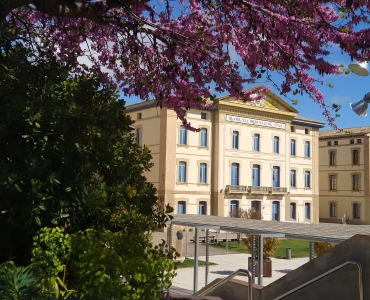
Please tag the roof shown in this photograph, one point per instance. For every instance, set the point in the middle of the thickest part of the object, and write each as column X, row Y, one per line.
column 141, row 105
column 345, row 132
column 323, row 232
column 298, row 120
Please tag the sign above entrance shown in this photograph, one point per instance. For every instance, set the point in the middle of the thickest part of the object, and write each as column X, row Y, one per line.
column 255, row 122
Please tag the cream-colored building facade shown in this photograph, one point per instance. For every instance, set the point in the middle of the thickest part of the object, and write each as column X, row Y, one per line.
column 258, row 155
column 344, row 175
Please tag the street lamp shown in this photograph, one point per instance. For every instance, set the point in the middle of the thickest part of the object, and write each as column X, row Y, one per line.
column 360, row 107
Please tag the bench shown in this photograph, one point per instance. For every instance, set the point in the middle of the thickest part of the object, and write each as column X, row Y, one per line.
column 202, row 239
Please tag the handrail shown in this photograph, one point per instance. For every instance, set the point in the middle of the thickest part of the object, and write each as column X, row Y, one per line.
column 327, row 273
column 231, row 276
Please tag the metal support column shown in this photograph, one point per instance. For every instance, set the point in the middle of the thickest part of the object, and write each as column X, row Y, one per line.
column 196, row 255
column 227, row 244
column 207, row 255
column 260, row 259
column 312, row 251
column 170, row 237
column 253, row 258
column 187, row 243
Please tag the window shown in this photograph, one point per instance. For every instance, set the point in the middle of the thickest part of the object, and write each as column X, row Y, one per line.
column 355, row 157
column 182, row 171
column 292, row 211
column 359, row 141
column 292, row 147
column 333, row 210
column 235, row 144
column 306, row 131
column 184, row 112
column 336, row 143
column 333, row 182
column 307, row 211
column 256, row 206
column 356, row 182
column 356, row 211
column 307, row 149
column 275, row 210
column 256, row 142
column 293, row 178
column 292, row 128
column 202, row 209
column 351, row 141
column 332, row 161
column 183, row 135
column 138, row 137
column 203, row 115
column 276, row 144
column 275, row 176
column 203, row 137
column 234, row 206
column 181, row 207
column 139, row 116
column 256, row 175
column 329, row 144
column 307, row 179
column 203, row 173
column 234, row 174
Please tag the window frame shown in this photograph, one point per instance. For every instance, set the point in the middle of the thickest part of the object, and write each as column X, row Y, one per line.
column 355, row 157
column 204, row 205
column 307, row 179
column 234, row 203
column 203, row 116
column 203, row 173
column 138, row 135
column 307, row 149
column 356, row 211
column 235, row 140
column 356, row 182
column 276, row 176
column 332, row 158
column 333, row 208
column 333, row 182
column 293, row 211
column 236, row 167
column 183, row 205
column 307, row 213
column 256, row 172
column 204, row 137
column 293, row 177
column 256, row 142
column 182, row 172
column 183, row 138
column 276, row 143
column 292, row 147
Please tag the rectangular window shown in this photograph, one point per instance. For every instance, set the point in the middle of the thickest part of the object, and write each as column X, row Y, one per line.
column 256, row 142
column 256, row 206
column 183, row 135
column 355, row 157
column 307, row 211
column 235, row 144
column 333, row 210
column 234, row 174
column 202, row 208
column 332, row 161
column 359, row 141
column 329, row 144
column 307, row 149
column 292, row 211
column 306, row 131
column 256, row 175
column 292, row 147
column 333, row 182
column 181, row 207
column 292, row 178
column 203, row 137
column 234, row 206
column 275, row 176
column 203, row 115
column 336, row 143
column 203, row 173
column 182, row 171
column 307, row 179
column 356, row 182
column 139, row 116
column 351, row 141
column 292, row 128
column 276, row 144
column 138, row 137
column 356, row 211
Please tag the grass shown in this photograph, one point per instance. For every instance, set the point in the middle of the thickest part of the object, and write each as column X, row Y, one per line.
column 299, row 248
column 189, row 263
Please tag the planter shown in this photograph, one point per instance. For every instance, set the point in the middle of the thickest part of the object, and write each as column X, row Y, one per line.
column 267, row 267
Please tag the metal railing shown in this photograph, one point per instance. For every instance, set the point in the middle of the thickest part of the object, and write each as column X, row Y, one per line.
column 205, row 291
column 360, row 287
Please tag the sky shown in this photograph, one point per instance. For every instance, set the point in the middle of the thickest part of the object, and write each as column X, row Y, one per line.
column 347, row 88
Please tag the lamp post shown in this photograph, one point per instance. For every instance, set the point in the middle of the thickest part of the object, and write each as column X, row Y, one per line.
column 360, row 107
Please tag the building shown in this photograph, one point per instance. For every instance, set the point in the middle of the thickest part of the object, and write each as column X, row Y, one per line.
column 258, row 155
column 344, row 175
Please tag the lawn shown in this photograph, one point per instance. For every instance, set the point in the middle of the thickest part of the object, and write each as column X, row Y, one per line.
column 299, row 248
column 189, row 263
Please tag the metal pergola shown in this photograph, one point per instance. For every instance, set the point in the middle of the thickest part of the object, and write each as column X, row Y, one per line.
column 323, row 232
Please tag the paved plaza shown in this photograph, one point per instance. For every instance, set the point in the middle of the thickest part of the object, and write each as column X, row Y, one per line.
column 227, row 263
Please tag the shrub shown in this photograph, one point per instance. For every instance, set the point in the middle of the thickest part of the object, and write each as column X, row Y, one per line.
column 321, row 248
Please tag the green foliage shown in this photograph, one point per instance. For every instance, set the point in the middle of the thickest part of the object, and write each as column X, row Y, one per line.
column 17, row 283
column 105, row 267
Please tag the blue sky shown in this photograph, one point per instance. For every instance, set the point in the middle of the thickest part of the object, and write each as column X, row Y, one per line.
column 347, row 88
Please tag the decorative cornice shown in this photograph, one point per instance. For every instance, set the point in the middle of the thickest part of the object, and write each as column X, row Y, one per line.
column 141, row 105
